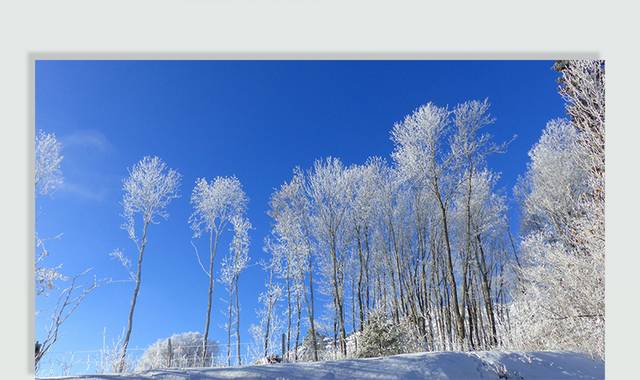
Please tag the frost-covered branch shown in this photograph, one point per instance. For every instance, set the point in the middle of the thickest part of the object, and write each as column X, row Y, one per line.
column 48, row 175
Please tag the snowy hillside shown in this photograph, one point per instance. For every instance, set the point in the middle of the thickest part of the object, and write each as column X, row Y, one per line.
column 435, row 365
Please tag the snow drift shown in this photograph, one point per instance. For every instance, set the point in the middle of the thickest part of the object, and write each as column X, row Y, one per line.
column 486, row 365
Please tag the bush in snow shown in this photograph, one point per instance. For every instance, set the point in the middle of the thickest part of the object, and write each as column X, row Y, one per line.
column 179, row 351
column 305, row 351
column 383, row 337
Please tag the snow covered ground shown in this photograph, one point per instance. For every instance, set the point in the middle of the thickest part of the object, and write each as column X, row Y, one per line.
column 431, row 365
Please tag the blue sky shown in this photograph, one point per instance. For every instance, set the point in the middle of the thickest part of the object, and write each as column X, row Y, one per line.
column 252, row 119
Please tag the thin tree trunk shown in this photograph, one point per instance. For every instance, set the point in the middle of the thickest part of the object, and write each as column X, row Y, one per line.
column 338, row 301
column 360, row 274
column 459, row 322
column 125, row 344
column 353, row 304
column 335, row 335
column 486, row 290
column 289, row 309
column 299, row 312
column 269, row 310
column 229, row 325
column 467, row 255
column 311, row 312
column 367, row 257
column 213, row 246
column 238, row 323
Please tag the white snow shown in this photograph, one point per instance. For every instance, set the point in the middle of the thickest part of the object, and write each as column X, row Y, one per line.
column 486, row 365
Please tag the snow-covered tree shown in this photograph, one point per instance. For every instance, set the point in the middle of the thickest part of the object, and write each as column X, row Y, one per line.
column 232, row 266
column 365, row 183
column 178, row 351
column 555, row 180
column 329, row 191
column 582, row 86
column 148, row 190
column 426, row 240
column 559, row 303
column 422, row 158
column 69, row 299
column 263, row 333
column 383, row 337
column 292, row 230
column 312, row 346
column 214, row 204
column 48, row 175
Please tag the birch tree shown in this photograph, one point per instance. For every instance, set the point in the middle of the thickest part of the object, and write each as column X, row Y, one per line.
column 290, row 210
column 214, row 203
column 328, row 189
column 232, row 266
column 420, row 156
column 365, row 182
column 148, row 190
column 263, row 332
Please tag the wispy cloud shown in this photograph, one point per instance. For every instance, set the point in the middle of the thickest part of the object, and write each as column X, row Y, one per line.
column 87, row 138
column 82, row 191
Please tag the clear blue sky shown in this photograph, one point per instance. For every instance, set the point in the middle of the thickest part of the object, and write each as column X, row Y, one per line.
column 255, row 120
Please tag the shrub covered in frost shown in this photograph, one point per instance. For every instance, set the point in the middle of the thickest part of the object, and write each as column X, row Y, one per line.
column 383, row 337
column 178, row 351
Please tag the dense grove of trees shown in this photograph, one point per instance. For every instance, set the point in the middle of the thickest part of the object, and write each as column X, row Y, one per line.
column 424, row 239
column 409, row 253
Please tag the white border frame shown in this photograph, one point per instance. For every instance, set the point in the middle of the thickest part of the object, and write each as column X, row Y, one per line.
column 307, row 29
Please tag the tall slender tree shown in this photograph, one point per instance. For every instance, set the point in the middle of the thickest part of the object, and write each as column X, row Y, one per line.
column 214, row 204
column 290, row 210
column 148, row 191
column 328, row 190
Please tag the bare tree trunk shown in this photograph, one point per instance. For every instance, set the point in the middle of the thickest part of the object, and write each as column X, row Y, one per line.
column 486, row 290
column 435, row 279
column 213, row 246
column 125, row 344
column 353, row 304
column 299, row 312
column 459, row 321
column 394, row 299
column 368, row 255
column 467, row 255
column 238, row 323
column 269, row 310
column 399, row 272
column 311, row 313
column 335, row 335
column 229, row 326
column 338, row 300
column 362, row 264
column 289, row 308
